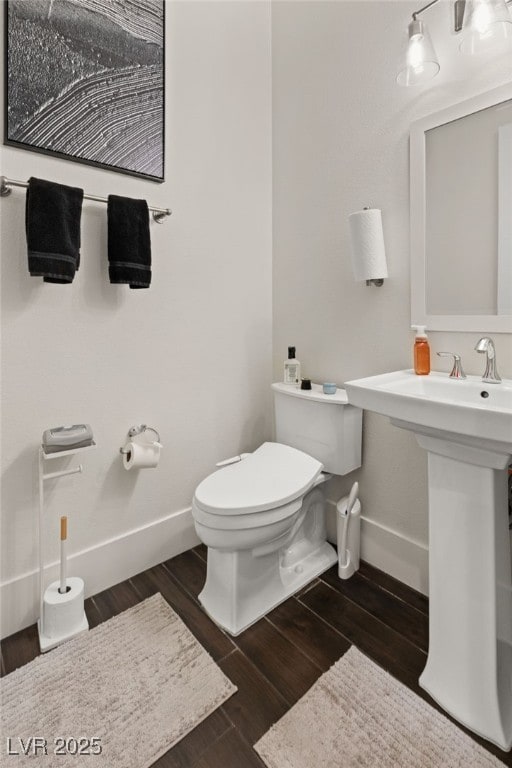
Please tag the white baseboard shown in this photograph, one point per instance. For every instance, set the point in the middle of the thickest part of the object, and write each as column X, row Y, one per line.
column 100, row 566
column 402, row 557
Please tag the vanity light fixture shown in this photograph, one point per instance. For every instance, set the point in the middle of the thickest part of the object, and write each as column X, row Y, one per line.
column 483, row 24
column 420, row 62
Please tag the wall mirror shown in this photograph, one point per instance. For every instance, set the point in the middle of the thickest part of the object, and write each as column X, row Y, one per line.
column 461, row 216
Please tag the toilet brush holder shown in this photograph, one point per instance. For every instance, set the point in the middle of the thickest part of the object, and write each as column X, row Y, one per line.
column 348, row 536
column 63, row 614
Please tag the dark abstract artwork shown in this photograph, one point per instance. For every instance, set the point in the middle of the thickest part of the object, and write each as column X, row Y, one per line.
column 85, row 81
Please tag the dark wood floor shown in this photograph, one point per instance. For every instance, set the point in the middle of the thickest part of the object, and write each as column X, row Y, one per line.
column 274, row 662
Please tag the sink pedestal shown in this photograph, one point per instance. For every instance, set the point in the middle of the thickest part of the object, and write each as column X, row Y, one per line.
column 469, row 666
column 466, row 428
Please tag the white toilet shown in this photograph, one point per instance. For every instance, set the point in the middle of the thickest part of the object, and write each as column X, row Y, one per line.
column 263, row 518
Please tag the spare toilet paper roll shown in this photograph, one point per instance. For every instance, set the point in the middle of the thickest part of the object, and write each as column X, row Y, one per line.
column 141, row 455
column 368, row 251
column 63, row 612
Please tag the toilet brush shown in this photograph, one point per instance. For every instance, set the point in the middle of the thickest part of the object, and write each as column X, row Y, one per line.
column 348, row 562
column 63, row 614
column 63, row 555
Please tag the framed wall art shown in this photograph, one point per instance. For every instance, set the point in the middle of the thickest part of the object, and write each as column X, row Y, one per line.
column 85, row 81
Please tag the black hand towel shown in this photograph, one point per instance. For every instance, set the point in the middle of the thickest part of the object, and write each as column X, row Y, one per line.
column 129, row 245
column 52, row 223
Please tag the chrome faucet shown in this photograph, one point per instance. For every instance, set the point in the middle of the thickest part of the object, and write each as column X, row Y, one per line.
column 457, row 371
column 491, row 375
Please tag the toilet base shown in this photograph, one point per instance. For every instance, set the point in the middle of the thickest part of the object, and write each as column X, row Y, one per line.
column 240, row 588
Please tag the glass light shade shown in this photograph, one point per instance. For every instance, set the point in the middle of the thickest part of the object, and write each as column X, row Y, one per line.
column 420, row 61
column 487, row 25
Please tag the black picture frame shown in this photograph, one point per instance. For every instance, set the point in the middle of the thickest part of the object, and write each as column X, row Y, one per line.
column 84, row 83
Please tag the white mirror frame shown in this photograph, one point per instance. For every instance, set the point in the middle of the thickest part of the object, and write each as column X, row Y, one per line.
column 419, row 316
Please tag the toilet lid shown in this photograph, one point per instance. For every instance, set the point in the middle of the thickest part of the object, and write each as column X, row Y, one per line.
column 270, row 477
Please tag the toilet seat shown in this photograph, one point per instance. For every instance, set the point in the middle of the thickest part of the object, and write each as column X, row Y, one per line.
column 268, row 479
column 244, row 521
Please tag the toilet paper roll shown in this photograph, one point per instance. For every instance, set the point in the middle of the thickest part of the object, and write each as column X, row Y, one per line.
column 63, row 612
column 141, row 455
column 368, row 251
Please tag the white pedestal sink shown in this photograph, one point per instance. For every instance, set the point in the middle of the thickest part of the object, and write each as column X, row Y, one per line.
column 466, row 427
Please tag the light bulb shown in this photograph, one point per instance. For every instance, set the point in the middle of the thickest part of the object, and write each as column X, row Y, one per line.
column 415, row 52
column 482, row 19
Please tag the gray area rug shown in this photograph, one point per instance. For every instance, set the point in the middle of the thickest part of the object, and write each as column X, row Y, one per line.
column 138, row 683
column 356, row 714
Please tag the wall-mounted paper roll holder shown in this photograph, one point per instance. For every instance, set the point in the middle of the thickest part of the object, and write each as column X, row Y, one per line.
column 368, row 249
column 134, row 431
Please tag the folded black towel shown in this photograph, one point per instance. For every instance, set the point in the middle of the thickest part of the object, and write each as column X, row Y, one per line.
column 52, row 223
column 129, row 244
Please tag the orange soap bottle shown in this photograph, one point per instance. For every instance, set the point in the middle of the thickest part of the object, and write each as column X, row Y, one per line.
column 421, row 351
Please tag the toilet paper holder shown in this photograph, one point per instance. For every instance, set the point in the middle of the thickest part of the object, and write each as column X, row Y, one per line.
column 134, row 431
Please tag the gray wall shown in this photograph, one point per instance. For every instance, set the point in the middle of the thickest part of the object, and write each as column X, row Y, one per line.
column 340, row 142
column 190, row 356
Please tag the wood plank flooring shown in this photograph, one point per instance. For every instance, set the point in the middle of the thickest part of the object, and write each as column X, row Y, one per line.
column 276, row 661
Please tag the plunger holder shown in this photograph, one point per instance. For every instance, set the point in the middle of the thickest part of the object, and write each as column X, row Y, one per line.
column 62, row 614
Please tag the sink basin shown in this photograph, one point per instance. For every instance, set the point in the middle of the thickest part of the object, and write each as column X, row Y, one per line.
column 466, row 428
column 480, row 414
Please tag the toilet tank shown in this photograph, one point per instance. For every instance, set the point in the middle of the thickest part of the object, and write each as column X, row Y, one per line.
column 326, row 427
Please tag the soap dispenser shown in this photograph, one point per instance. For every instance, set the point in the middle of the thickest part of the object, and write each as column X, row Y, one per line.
column 421, row 351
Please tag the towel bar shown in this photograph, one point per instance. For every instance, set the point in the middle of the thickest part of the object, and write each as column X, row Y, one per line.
column 159, row 214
